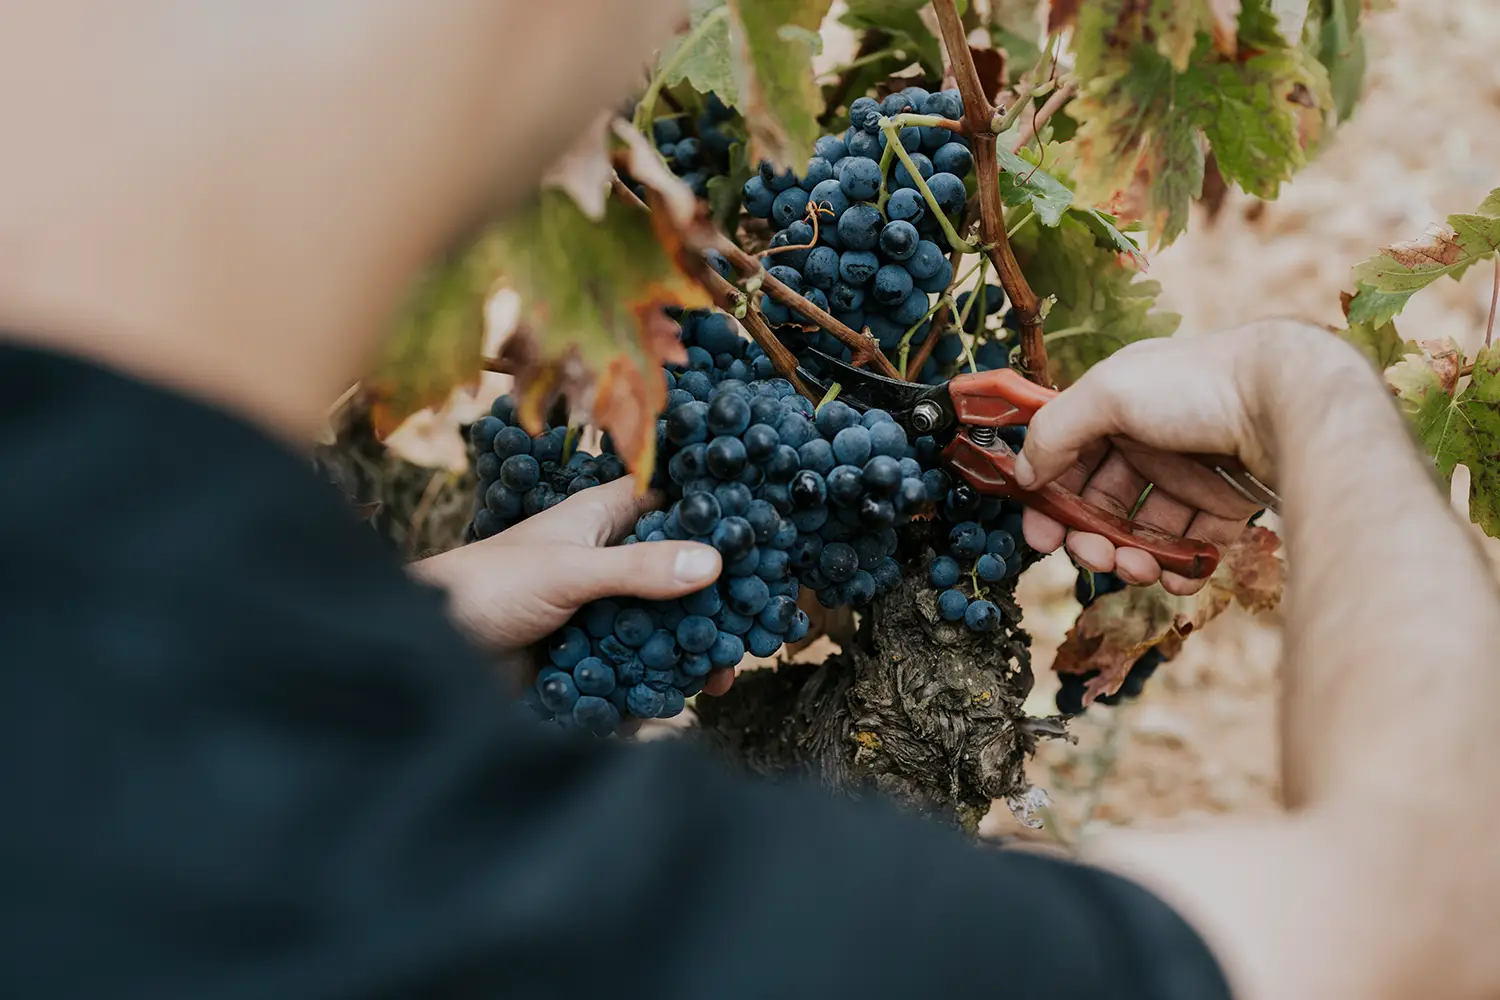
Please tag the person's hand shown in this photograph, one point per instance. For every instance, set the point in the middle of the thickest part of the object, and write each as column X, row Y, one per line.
column 523, row 584
column 1123, row 426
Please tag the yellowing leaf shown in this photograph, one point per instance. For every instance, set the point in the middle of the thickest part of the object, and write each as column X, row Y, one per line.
column 1401, row 269
column 592, row 300
column 1116, row 629
column 779, row 98
column 435, row 344
column 1162, row 79
column 1461, row 429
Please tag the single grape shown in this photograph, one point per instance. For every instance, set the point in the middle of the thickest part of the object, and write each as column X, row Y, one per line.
column 733, row 538
column 789, row 206
column 757, row 198
column 952, row 605
column 902, row 176
column 726, row 456
column 830, row 148
column 839, row 562
column 860, row 180
column 881, row 475
column 696, row 633
column 660, row 651
column 953, row 158
column 892, row 284
column 633, row 627
column 699, row 513
column 822, row 268
column 596, row 715
column 864, row 113
column 966, row 540
column 688, row 424
column 734, row 498
column 748, row 595
column 857, row 268
column 520, row 472
column 728, row 413
column 851, row 446
column 727, row 650
column 817, row 455
column 557, row 690
column 845, row 484
column 898, row 240
column 593, row 677
column 948, row 191
column 643, row 702
column 1000, row 543
column 911, row 138
column 859, row 227
column 762, row 643
column 982, row 616
column 990, row 568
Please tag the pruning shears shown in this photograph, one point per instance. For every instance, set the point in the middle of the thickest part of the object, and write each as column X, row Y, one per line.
column 965, row 415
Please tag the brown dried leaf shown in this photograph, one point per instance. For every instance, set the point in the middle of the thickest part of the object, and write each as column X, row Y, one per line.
column 1439, row 247
column 1062, row 14
column 1114, row 631
column 584, row 171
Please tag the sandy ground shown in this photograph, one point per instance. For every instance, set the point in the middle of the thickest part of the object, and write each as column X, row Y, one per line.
column 1425, row 143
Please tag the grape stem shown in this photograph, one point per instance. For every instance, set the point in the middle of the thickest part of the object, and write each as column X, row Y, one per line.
column 979, row 116
column 725, row 295
column 924, row 351
column 1489, row 329
column 862, row 345
column 1031, row 126
column 893, row 142
column 886, row 155
column 943, row 302
column 646, row 109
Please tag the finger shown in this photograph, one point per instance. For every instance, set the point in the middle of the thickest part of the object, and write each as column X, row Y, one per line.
column 595, row 516
column 572, row 575
column 1061, row 430
column 1114, row 486
column 1137, row 567
column 719, row 681
column 1221, row 531
column 1094, row 552
column 1041, row 532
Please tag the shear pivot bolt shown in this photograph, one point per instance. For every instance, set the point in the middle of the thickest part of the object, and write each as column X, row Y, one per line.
column 925, row 416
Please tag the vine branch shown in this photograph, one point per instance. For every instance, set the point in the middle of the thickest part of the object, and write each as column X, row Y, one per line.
column 979, row 116
column 863, row 347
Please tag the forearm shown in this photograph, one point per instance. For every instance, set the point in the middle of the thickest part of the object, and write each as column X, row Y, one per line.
column 1392, row 615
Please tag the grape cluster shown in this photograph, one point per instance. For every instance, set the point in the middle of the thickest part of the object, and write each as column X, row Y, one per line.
column 1089, row 588
column 979, row 546
column 870, row 250
column 696, row 157
column 520, row 475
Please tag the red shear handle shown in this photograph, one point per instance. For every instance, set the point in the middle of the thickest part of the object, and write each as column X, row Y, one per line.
column 999, row 398
column 991, row 471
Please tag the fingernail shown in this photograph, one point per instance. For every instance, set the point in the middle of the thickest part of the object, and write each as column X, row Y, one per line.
column 696, row 563
column 1025, row 474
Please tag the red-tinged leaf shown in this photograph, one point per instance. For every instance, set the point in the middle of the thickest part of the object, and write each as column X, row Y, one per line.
column 1456, row 428
column 593, row 328
column 1117, row 629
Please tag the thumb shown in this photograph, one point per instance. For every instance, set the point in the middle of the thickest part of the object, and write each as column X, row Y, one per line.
column 573, row 575
column 1061, row 430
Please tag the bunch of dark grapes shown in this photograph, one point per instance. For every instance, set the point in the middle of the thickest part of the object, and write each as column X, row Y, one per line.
column 872, row 266
column 520, row 475
column 1089, row 588
column 978, row 546
column 697, row 150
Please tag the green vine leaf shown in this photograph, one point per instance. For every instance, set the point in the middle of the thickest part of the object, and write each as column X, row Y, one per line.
column 436, row 344
column 779, row 98
column 1402, row 269
column 1099, row 306
column 1457, row 429
column 708, row 65
column 1378, row 341
column 592, row 321
column 1024, row 183
column 1332, row 34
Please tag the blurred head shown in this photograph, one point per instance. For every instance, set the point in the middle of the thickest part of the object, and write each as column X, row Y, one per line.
column 231, row 196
